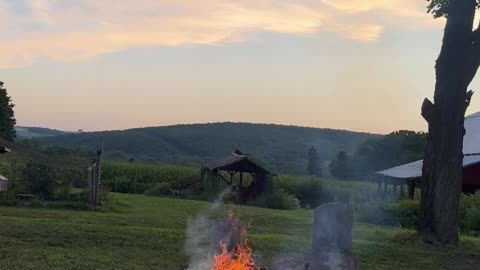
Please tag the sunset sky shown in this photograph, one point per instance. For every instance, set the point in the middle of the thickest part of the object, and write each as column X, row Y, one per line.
column 362, row 65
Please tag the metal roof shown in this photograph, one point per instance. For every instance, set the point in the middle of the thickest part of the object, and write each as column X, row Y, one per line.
column 3, row 178
column 4, row 150
column 414, row 169
column 471, row 150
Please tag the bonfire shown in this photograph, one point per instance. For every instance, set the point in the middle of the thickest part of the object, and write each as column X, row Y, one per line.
column 239, row 257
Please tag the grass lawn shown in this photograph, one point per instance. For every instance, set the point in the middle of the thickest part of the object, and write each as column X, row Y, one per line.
column 149, row 233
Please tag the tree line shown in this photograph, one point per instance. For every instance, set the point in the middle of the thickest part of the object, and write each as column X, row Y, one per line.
column 7, row 115
column 374, row 155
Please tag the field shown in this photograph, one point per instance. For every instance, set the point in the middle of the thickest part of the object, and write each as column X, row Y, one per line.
column 144, row 232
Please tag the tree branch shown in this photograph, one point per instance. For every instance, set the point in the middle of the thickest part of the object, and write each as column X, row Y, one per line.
column 428, row 110
column 476, row 35
column 474, row 62
column 468, row 98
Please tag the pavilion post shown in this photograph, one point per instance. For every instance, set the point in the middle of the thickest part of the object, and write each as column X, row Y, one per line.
column 241, row 181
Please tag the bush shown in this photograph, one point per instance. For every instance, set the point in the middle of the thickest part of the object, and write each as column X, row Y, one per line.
column 470, row 213
column 190, row 187
column 403, row 213
column 306, row 190
column 279, row 199
column 159, row 189
column 40, row 180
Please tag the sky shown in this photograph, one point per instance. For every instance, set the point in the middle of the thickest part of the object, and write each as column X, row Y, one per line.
column 363, row 65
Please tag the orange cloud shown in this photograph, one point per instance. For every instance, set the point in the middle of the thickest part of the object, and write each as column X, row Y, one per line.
column 88, row 28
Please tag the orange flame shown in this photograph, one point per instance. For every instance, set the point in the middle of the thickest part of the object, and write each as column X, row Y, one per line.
column 239, row 257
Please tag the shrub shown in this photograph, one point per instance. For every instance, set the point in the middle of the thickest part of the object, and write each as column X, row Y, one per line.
column 159, row 189
column 279, row 199
column 314, row 191
column 39, row 179
column 403, row 213
column 470, row 213
column 306, row 190
column 104, row 196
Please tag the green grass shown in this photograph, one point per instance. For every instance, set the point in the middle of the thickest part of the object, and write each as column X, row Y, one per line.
column 149, row 233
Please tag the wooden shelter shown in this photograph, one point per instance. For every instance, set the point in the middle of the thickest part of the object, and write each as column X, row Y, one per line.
column 237, row 165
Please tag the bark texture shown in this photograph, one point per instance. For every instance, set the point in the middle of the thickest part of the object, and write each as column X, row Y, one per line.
column 442, row 169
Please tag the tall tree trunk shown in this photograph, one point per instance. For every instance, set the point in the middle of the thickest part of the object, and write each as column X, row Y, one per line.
column 442, row 168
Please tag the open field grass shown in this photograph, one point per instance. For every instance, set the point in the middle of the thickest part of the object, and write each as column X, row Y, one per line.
column 149, row 233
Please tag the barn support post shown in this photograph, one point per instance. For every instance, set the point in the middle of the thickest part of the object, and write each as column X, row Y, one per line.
column 411, row 189
column 402, row 190
column 385, row 188
column 379, row 189
column 395, row 187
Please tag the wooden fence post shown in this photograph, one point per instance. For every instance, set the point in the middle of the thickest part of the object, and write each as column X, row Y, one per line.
column 98, row 172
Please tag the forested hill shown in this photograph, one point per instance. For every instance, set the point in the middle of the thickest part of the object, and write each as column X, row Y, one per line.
column 35, row 132
column 283, row 148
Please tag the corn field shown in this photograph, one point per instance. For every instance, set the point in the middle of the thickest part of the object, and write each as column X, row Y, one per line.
column 137, row 178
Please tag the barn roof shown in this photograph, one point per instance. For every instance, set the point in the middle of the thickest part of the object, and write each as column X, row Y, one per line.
column 4, row 150
column 471, row 141
column 414, row 169
column 471, row 150
column 3, row 178
column 239, row 162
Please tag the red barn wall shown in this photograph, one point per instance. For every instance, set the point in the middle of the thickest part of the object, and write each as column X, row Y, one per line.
column 471, row 175
column 471, row 178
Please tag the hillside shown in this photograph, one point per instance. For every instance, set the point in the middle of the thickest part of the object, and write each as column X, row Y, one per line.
column 283, row 148
column 36, row 132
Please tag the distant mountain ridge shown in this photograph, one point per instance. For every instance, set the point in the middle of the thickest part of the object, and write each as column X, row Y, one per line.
column 36, row 132
column 283, row 148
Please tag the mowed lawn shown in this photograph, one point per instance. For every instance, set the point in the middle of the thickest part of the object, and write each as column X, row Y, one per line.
column 149, row 233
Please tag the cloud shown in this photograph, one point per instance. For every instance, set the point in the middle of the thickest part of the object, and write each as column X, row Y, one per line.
column 79, row 30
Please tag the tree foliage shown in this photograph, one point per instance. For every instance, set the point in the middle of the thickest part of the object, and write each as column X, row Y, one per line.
column 341, row 167
column 7, row 116
column 439, row 8
column 377, row 154
column 314, row 166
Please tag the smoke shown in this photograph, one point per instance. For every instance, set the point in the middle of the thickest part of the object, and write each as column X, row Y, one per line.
column 199, row 243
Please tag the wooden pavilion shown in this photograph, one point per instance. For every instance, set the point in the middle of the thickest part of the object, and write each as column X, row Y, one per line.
column 233, row 170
